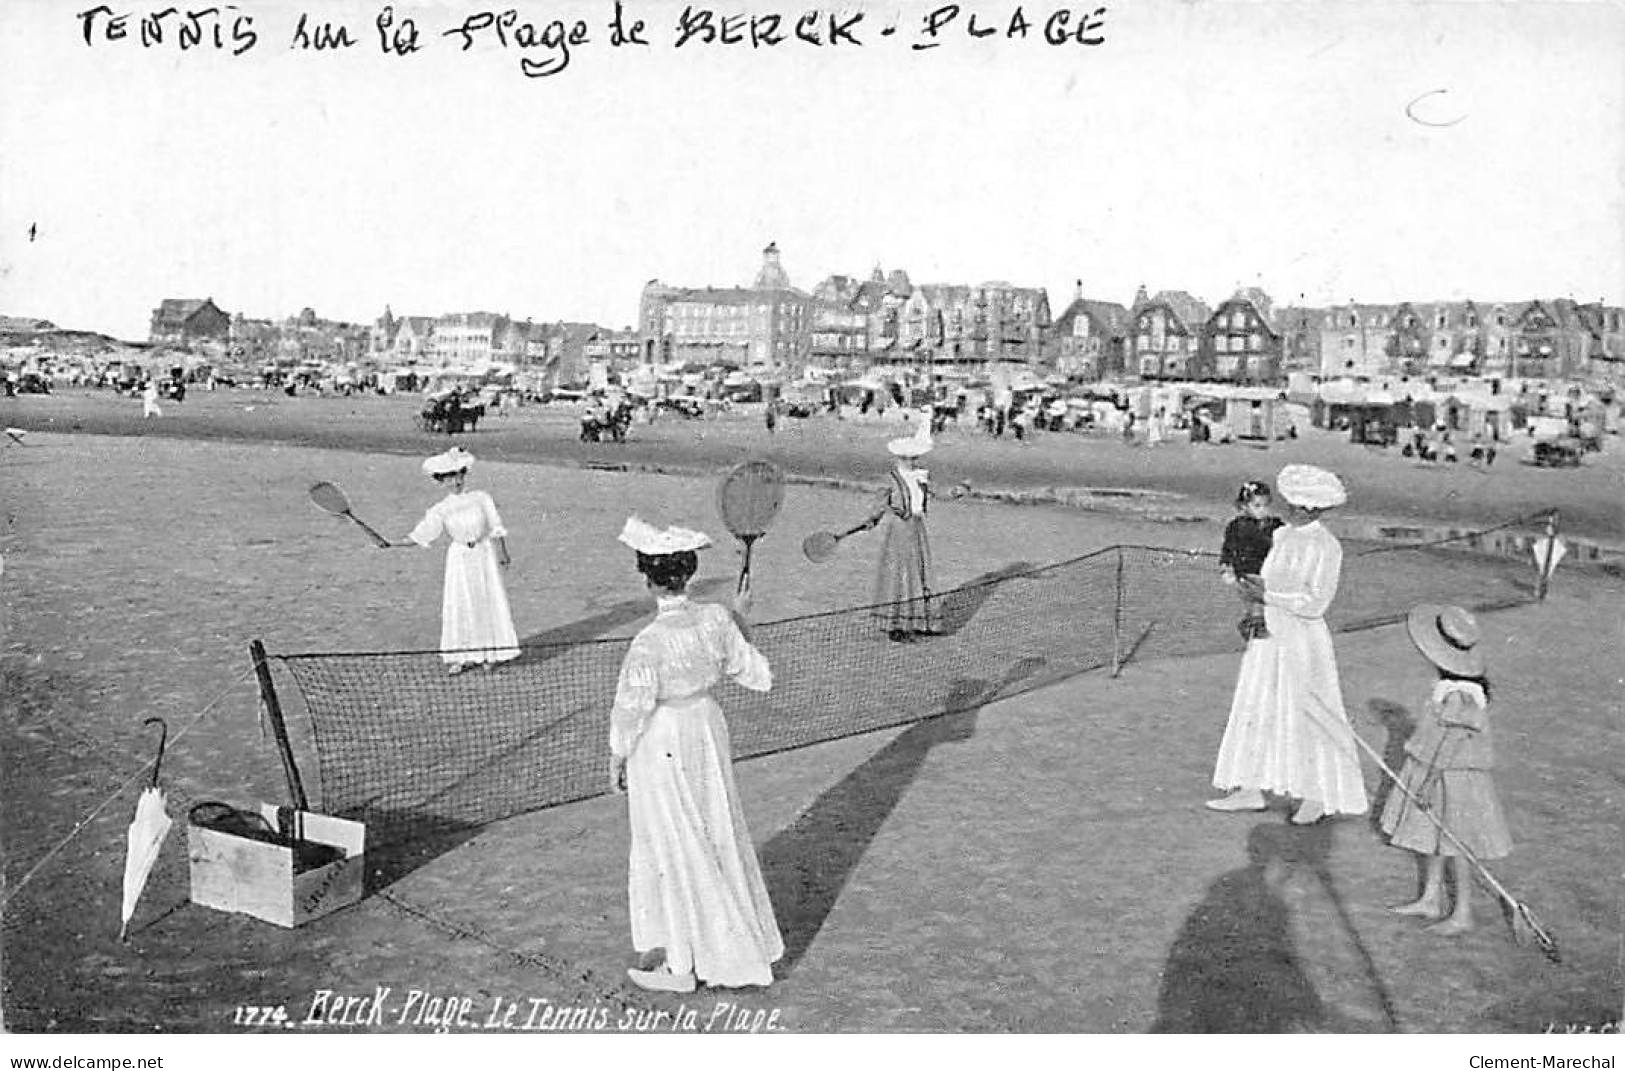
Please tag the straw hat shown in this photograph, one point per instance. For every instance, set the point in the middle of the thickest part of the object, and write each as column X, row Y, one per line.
column 454, row 460
column 645, row 538
column 1311, row 487
column 1448, row 637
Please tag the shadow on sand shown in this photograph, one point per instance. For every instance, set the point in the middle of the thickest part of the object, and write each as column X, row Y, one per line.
column 956, row 608
column 550, row 643
column 808, row 864
column 1234, row 968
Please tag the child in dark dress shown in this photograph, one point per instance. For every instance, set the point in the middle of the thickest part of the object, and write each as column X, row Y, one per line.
column 1247, row 541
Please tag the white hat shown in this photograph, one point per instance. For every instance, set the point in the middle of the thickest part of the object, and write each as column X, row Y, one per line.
column 645, row 538
column 916, row 445
column 454, row 460
column 1311, row 487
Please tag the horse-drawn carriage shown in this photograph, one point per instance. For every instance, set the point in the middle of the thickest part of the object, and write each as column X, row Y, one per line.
column 450, row 413
column 599, row 422
column 1564, row 452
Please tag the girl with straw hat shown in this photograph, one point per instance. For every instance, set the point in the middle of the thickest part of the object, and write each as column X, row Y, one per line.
column 476, row 626
column 1448, row 760
column 700, row 909
column 1288, row 732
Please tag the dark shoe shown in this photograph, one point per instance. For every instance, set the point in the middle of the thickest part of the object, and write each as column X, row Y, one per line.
column 897, row 635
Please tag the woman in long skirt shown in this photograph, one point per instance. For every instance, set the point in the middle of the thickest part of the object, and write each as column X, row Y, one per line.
column 700, row 909
column 476, row 626
column 903, row 579
column 1288, row 732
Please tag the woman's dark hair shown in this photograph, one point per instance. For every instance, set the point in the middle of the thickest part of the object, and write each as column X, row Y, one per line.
column 1252, row 489
column 1482, row 681
column 669, row 571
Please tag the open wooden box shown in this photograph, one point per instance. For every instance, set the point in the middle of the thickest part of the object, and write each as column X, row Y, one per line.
column 253, row 877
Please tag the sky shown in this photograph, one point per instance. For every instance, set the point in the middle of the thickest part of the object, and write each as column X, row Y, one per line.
column 1325, row 151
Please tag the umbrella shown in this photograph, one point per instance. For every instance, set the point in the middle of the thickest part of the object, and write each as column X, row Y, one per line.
column 146, row 834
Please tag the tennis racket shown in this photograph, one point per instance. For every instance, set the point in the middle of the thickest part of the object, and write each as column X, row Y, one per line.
column 820, row 546
column 749, row 498
column 331, row 499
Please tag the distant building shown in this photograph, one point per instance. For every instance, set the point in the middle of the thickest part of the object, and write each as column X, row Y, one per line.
column 764, row 328
column 566, row 345
column 1239, row 343
column 881, row 300
column 1300, row 338
column 1166, row 333
column 381, row 336
column 1604, row 327
column 413, row 340
column 1354, row 340
column 618, row 349
column 468, row 339
column 309, row 337
column 1089, row 339
column 22, row 325
column 1549, row 339
column 180, row 321
column 839, row 331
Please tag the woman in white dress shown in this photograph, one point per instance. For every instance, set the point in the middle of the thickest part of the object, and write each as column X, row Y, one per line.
column 476, row 626
column 1288, row 732
column 694, row 886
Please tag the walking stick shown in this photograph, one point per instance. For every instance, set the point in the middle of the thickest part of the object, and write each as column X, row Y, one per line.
column 1521, row 912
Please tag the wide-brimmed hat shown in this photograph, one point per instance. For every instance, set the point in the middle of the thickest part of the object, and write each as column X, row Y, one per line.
column 1311, row 487
column 454, row 460
column 917, row 445
column 645, row 538
column 1448, row 637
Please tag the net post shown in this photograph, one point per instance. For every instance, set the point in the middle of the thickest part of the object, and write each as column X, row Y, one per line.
column 279, row 728
column 1117, row 618
column 1546, row 563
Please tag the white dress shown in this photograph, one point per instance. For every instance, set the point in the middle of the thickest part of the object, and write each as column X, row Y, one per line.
column 1288, row 731
column 694, row 885
column 474, row 611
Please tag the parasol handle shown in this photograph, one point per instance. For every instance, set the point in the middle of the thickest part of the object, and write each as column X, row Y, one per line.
column 162, row 740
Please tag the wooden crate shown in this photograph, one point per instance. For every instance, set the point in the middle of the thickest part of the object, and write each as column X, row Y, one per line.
column 251, row 877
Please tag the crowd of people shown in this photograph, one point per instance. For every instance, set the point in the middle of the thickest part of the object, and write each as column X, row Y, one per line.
column 1439, row 444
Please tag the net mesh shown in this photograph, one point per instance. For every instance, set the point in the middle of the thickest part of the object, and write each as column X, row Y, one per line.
column 408, row 748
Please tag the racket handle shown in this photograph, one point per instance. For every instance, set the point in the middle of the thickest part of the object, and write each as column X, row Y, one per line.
column 744, row 570
column 365, row 527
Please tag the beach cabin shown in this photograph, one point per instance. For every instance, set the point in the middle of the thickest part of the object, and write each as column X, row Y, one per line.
column 1476, row 415
column 1257, row 414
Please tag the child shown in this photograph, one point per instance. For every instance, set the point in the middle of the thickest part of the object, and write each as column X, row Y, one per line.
column 1448, row 760
column 1247, row 540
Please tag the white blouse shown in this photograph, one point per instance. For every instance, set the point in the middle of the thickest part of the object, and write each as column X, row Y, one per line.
column 1302, row 570
column 680, row 655
column 464, row 518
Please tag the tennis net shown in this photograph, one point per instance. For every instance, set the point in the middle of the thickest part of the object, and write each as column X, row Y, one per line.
column 406, row 747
